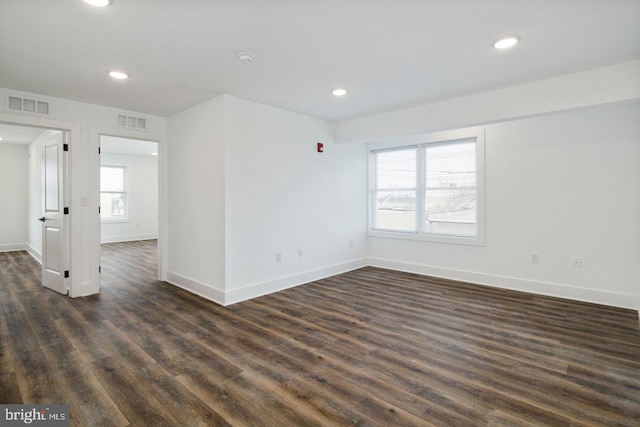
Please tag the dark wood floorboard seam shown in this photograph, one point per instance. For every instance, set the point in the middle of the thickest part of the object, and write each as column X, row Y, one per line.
column 371, row 347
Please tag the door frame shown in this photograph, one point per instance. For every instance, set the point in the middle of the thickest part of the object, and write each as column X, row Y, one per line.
column 73, row 134
column 161, row 140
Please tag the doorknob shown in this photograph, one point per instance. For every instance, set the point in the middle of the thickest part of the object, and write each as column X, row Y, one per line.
column 43, row 219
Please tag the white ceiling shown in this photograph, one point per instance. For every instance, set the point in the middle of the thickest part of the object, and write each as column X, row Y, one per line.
column 135, row 147
column 11, row 134
column 389, row 54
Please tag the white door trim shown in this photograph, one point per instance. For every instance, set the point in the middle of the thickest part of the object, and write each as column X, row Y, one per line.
column 74, row 231
column 96, row 133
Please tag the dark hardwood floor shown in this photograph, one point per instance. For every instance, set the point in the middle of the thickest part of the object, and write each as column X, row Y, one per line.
column 371, row 347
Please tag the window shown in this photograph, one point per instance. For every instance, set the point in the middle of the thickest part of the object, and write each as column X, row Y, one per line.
column 429, row 191
column 113, row 196
column 395, row 193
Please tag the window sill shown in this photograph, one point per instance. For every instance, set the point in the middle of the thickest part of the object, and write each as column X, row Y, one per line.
column 409, row 235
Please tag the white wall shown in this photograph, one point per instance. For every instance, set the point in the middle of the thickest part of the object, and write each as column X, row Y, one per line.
column 85, row 122
column 246, row 182
column 196, row 153
column 557, row 153
column 282, row 196
column 228, row 156
column 13, row 196
column 616, row 83
column 142, row 199
column 564, row 185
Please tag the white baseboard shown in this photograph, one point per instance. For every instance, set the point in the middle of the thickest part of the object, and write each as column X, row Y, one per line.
column 35, row 254
column 130, row 238
column 497, row 281
column 253, row 291
column 22, row 247
column 13, row 247
column 514, row 283
column 198, row 288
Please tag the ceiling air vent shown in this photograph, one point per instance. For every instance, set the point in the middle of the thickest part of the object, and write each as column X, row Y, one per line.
column 132, row 122
column 28, row 105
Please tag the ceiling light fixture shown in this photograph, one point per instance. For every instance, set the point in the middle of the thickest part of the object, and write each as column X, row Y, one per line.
column 339, row 92
column 506, row 42
column 99, row 3
column 154, row 154
column 246, row 57
column 118, row 75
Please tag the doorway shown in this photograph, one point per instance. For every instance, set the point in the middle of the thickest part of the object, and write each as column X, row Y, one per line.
column 34, row 194
column 129, row 199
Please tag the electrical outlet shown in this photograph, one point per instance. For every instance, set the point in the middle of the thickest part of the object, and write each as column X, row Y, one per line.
column 535, row 258
column 576, row 262
column 278, row 256
column 300, row 253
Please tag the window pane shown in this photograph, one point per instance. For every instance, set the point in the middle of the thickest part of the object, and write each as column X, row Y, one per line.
column 451, row 165
column 112, row 206
column 111, row 179
column 395, row 210
column 396, row 169
column 450, row 213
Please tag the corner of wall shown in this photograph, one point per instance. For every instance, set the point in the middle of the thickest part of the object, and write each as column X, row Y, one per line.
column 271, row 286
column 34, row 253
column 195, row 287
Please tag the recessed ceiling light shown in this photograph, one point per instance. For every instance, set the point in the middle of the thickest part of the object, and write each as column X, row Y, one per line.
column 154, row 154
column 339, row 92
column 118, row 75
column 246, row 57
column 506, row 42
column 99, row 3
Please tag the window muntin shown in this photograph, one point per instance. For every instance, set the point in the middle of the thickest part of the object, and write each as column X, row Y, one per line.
column 113, row 196
column 431, row 191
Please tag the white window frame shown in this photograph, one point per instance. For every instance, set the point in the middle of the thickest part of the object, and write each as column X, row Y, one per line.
column 125, row 191
column 475, row 134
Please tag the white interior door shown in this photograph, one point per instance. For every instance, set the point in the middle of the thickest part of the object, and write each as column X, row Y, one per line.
column 54, row 224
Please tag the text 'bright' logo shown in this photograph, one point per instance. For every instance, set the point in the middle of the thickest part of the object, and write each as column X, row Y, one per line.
column 38, row 415
column 26, row 416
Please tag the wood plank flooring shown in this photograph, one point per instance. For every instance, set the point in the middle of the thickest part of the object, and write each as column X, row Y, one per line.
column 368, row 348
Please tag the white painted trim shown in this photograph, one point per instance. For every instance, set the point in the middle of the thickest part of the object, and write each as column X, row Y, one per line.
column 74, row 222
column 13, row 247
column 195, row 287
column 130, row 238
column 163, row 218
column 34, row 253
column 259, row 289
column 87, row 286
column 514, row 283
column 420, row 144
